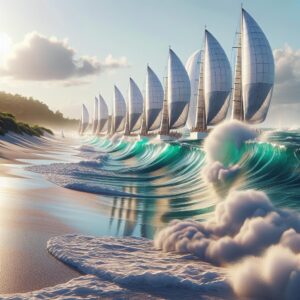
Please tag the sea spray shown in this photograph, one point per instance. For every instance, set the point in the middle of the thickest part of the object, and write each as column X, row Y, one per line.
column 257, row 243
column 223, row 150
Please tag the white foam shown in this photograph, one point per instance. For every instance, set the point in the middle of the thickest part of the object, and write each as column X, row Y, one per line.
column 83, row 287
column 257, row 243
column 133, row 262
column 223, row 144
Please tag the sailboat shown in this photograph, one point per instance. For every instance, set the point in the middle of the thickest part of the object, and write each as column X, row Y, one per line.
column 135, row 108
column 154, row 97
column 102, row 126
column 119, row 112
column 95, row 118
column 84, row 121
column 176, row 97
column 254, row 73
column 210, row 75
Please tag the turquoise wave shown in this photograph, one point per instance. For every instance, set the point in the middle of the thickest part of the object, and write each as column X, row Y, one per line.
column 146, row 184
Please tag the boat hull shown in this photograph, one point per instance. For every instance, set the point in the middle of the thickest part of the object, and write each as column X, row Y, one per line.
column 198, row 135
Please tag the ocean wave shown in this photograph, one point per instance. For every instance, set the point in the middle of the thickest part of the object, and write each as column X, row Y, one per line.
column 180, row 173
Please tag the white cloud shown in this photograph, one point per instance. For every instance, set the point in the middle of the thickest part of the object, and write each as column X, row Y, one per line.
column 287, row 84
column 39, row 58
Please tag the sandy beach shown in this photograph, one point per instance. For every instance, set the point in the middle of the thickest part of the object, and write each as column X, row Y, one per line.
column 25, row 227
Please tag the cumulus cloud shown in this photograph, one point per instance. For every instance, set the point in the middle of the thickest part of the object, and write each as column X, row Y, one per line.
column 257, row 243
column 245, row 223
column 287, row 70
column 40, row 58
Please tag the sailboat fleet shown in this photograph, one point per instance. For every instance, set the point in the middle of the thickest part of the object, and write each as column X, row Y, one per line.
column 196, row 95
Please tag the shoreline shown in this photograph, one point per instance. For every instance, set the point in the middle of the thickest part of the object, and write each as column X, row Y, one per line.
column 25, row 264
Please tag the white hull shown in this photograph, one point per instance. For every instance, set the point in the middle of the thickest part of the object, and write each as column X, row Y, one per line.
column 198, row 135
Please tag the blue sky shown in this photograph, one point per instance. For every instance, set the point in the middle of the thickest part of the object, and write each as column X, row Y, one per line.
column 139, row 30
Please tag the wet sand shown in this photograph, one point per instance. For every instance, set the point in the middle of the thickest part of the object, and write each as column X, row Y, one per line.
column 25, row 227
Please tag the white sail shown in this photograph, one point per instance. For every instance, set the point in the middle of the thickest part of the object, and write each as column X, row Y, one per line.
column 217, row 80
column 119, row 111
column 193, row 69
column 178, row 92
column 257, row 71
column 135, row 106
column 103, row 116
column 84, row 119
column 95, row 117
column 154, row 97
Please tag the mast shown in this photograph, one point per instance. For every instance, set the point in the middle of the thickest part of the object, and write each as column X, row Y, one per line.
column 127, row 132
column 200, row 125
column 96, row 116
column 164, row 129
column 109, row 125
column 144, row 126
column 238, row 109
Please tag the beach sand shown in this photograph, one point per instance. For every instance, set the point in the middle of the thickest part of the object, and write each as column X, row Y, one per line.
column 25, row 226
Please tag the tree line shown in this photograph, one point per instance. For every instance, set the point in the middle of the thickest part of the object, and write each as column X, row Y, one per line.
column 33, row 111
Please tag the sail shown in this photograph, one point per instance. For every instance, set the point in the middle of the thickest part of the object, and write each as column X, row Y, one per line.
column 119, row 111
column 95, row 117
column 257, row 70
column 193, row 69
column 135, row 106
column 84, row 118
column 217, row 80
column 154, row 97
column 178, row 92
column 103, row 116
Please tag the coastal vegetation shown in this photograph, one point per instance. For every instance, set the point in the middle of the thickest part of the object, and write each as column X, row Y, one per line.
column 8, row 123
column 33, row 111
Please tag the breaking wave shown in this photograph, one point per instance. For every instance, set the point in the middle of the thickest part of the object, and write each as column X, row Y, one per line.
column 242, row 185
column 177, row 174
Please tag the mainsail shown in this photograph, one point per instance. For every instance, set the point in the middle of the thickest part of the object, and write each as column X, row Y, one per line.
column 84, row 119
column 103, row 116
column 154, row 96
column 257, row 71
column 135, row 107
column 178, row 92
column 193, row 69
column 95, row 117
column 210, row 76
column 119, row 111
column 217, row 80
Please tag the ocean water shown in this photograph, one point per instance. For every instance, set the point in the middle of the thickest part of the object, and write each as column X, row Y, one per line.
column 145, row 183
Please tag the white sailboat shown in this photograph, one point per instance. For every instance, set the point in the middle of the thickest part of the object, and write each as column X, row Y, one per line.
column 154, row 97
column 210, row 75
column 84, row 121
column 95, row 117
column 176, row 98
column 135, row 108
column 102, row 126
column 193, row 68
column 119, row 112
column 254, row 73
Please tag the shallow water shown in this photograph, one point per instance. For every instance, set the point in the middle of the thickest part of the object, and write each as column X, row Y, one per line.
column 98, row 187
column 139, row 186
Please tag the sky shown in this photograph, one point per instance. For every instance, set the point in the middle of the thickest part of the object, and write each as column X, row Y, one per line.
column 66, row 52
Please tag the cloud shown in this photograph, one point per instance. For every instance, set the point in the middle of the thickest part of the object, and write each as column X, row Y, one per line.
column 39, row 58
column 287, row 68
